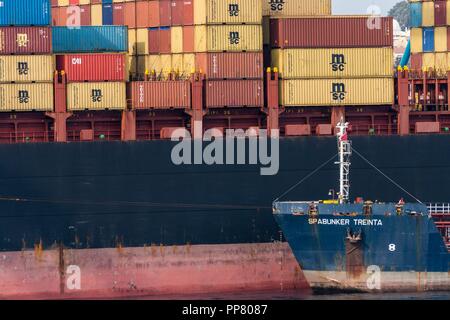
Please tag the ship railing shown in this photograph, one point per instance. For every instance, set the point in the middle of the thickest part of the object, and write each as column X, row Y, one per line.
column 26, row 137
column 439, row 209
column 373, row 129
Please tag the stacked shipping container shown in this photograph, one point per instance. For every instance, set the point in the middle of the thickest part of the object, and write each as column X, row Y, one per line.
column 26, row 63
column 333, row 60
column 430, row 32
column 96, row 80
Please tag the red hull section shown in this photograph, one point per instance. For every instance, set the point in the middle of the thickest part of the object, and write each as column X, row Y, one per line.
column 153, row 270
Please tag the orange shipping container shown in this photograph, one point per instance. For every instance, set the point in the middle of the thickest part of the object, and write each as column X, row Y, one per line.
column 234, row 93
column 159, row 94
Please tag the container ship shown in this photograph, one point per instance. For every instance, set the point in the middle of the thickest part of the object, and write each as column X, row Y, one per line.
column 93, row 92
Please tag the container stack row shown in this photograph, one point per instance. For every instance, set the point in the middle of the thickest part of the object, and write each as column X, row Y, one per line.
column 333, row 60
column 430, row 34
column 93, row 61
column 26, row 63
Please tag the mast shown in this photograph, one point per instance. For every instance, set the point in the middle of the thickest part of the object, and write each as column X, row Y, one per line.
column 345, row 151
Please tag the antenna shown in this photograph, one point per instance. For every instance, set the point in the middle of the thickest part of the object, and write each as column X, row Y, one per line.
column 345, row 151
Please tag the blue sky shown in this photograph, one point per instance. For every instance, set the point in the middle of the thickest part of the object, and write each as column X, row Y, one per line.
column 360, row 6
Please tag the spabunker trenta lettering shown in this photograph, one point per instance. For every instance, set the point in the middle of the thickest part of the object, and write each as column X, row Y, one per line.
column 346, row 222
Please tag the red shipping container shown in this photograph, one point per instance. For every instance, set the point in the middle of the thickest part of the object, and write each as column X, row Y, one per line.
column 188, row 12
column 129, row 13
column 177, row 12
column 159, row 94
column 118, row 14
column 440, row 13
column 74, row 2
column 153, row 40
column 188, row 39
column 234, row 93
column 331, row 32
column 142, row 14
column 416, row 61
column 165, row 13
column 85, row 15
column 153, row 14
column 25, row 40
column 54, row 3
column 165, row 43
column 92, row 67
column 231, row 65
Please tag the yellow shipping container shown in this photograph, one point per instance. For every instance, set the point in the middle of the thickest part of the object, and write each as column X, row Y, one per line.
column 440, row 39
column 233, row 12
column 448, row 12
column 26, row 97
column 96, row 15
column 176, row 35
column 286, row 8
column 416, row 40
column 26, row 68
column 428, row 14
column 333, row 63
column 327, row 92
column 96, row 96
column 142, row 41
column 428, row 61
column 163, row 64
column 228, row 38
column 441, row 63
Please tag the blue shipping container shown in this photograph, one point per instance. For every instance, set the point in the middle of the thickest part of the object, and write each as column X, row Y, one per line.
column 25, row 13
column 416, row 14
column 107, row 14
column 90, row 39
column 428, row 39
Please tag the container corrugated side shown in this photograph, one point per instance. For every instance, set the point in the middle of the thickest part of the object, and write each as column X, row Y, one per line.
column 290, row 8
column 328, row 92
column 26, row 97
column 228, row 38
column 234, row 93
column 416, row 40
column 93, row 67
column 163, row 64
column 18, row 68
column 234, row 12
column 428, row 14
column 25, row 40
column 90, row 39
column 96, row 96
column 332, row 32
column 230, row 65
column 160, row 94
column 25, row 12
column 333, row 63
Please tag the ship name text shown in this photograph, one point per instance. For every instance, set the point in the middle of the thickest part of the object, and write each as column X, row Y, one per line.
column 346, row 222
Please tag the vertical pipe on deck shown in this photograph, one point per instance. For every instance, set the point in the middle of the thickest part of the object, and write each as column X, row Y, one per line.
column 273, row 109
column 403, row 102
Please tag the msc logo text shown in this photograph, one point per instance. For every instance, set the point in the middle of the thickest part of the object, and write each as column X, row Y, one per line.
column 96, row 95
column 337, row 62
column 338, row 92
column 22, row 68
column 24, row 96
column 234, row 38
column 276, row 5
column 233, row 10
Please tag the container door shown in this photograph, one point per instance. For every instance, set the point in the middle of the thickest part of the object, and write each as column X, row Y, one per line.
column 416, row 14
column 428, row 39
